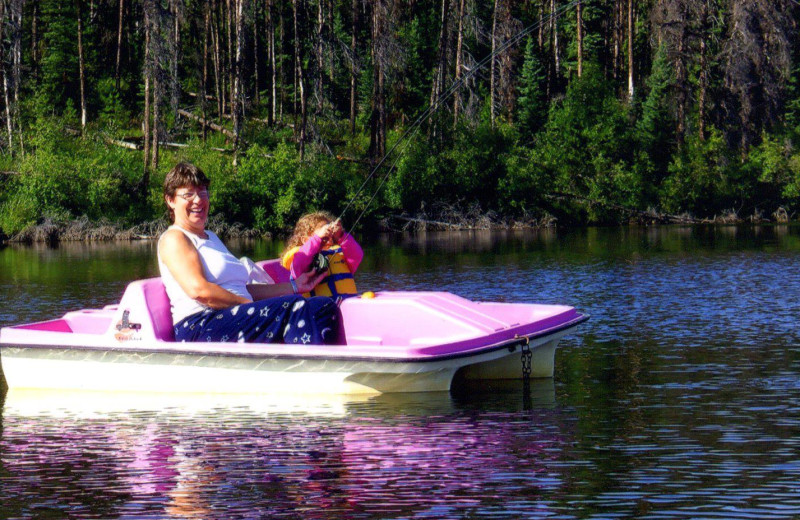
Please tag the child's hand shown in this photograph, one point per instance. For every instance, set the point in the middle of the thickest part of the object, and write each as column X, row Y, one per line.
column 323, row 232
column 337, row 232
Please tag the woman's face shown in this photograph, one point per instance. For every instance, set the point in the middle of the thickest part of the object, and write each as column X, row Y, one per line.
column 190, row 205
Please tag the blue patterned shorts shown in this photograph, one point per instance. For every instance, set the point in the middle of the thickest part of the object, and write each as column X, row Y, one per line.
column 287, row 319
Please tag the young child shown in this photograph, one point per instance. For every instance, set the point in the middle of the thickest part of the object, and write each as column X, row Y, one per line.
column 319, row 233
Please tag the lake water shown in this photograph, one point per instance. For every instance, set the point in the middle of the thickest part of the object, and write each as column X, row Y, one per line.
column 680, row 398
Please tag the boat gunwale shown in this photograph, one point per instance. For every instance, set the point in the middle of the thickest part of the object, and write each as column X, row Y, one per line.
column 482, row 349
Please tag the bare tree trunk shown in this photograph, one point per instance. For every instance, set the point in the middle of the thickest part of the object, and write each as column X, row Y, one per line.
column 295, row 67
column 16, row 70
column 331, row 37
column 300, row 86
column 34, row 34
column 217, row 59
column 155, row 55
column 319, row 48
column 147, row 95
column 81, row 65
column 256, row 79
column 204, row 82
column 156, row 121
column 271, row 62
column 703, row 80
column 229, row 15
column 459, row 49
column 237, row 101
column 119, row 43
column 554, row 26
column 377, row 145
column 631, row 35
column 493, row 67
column 680, row 80
column 175, row 90
column 353, row 68
column 281, row 74
column 6, row 85
column 9, row 117
column 617, row 34
column 580, row 37
column 441, row 66
column 540, row 36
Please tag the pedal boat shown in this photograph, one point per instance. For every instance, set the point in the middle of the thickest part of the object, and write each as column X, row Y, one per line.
column 394, row 342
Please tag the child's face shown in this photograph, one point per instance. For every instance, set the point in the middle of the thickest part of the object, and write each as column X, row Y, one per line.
column 322, row 232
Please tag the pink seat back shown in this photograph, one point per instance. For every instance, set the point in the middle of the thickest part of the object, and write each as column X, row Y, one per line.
column 159, row 306
column 275, row 270
column 146, row 304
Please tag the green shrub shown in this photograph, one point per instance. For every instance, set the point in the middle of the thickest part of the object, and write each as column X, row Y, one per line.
column 700, row 177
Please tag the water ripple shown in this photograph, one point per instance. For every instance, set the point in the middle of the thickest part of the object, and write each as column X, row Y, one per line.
column 680, row 398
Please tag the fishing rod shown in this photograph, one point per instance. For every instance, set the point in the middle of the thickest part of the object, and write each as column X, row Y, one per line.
column 412, row 130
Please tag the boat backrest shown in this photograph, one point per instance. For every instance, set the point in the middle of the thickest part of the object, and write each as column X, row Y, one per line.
column 145, row 305
column 275, row 270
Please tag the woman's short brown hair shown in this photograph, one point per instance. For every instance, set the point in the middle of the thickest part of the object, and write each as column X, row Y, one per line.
column 183, row 174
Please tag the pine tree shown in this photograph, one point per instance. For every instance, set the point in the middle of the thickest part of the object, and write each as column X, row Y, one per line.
column 793, row 105
column 656, row 125
column 59, row 61
column 532, row 104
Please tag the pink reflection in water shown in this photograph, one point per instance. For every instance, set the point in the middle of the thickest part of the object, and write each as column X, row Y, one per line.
column 280, row 466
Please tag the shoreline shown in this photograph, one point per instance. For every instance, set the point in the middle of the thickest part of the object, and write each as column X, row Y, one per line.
column 82, row 229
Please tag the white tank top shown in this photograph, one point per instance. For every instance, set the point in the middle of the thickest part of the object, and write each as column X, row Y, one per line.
column 219, row 267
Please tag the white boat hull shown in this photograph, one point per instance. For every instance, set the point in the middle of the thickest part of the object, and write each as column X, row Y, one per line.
column 136, row 371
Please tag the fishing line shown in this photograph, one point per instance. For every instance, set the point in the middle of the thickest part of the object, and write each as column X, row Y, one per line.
column 412, row 130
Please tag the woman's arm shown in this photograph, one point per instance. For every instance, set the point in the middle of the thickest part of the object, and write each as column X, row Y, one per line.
column 305, row 282
column 183, row 261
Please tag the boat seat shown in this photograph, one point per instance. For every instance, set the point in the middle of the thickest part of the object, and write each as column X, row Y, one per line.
column 148, row 307
column 275, row 270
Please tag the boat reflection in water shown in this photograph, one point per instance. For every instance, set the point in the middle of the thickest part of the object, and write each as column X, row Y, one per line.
column 332, row 457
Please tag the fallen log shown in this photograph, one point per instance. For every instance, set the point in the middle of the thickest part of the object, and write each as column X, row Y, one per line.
column 352, row 159
column 166, row 144
column 205, row 122
column 122, row 144
column 197, row 95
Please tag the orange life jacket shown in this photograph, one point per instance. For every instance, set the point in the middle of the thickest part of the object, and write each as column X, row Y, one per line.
column 339, row 280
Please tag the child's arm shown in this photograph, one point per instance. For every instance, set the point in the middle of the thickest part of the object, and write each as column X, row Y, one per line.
column 305, row 255
column 353, row 254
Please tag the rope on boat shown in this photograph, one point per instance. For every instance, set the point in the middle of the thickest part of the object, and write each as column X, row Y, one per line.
column 526, row 356
column 414, row 128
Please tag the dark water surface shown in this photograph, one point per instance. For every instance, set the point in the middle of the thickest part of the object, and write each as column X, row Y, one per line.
column 680, row 398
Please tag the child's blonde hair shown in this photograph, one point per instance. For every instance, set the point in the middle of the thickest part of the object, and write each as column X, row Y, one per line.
column 306, row 226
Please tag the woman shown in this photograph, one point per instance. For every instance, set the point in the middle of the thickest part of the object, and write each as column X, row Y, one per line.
column 209, row 290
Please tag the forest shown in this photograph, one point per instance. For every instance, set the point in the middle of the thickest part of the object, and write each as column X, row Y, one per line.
column 458, row 112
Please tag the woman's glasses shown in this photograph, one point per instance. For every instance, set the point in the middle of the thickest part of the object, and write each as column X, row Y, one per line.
column 190, row 195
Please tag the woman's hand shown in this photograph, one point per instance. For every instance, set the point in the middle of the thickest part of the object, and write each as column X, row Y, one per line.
column 308, row 280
